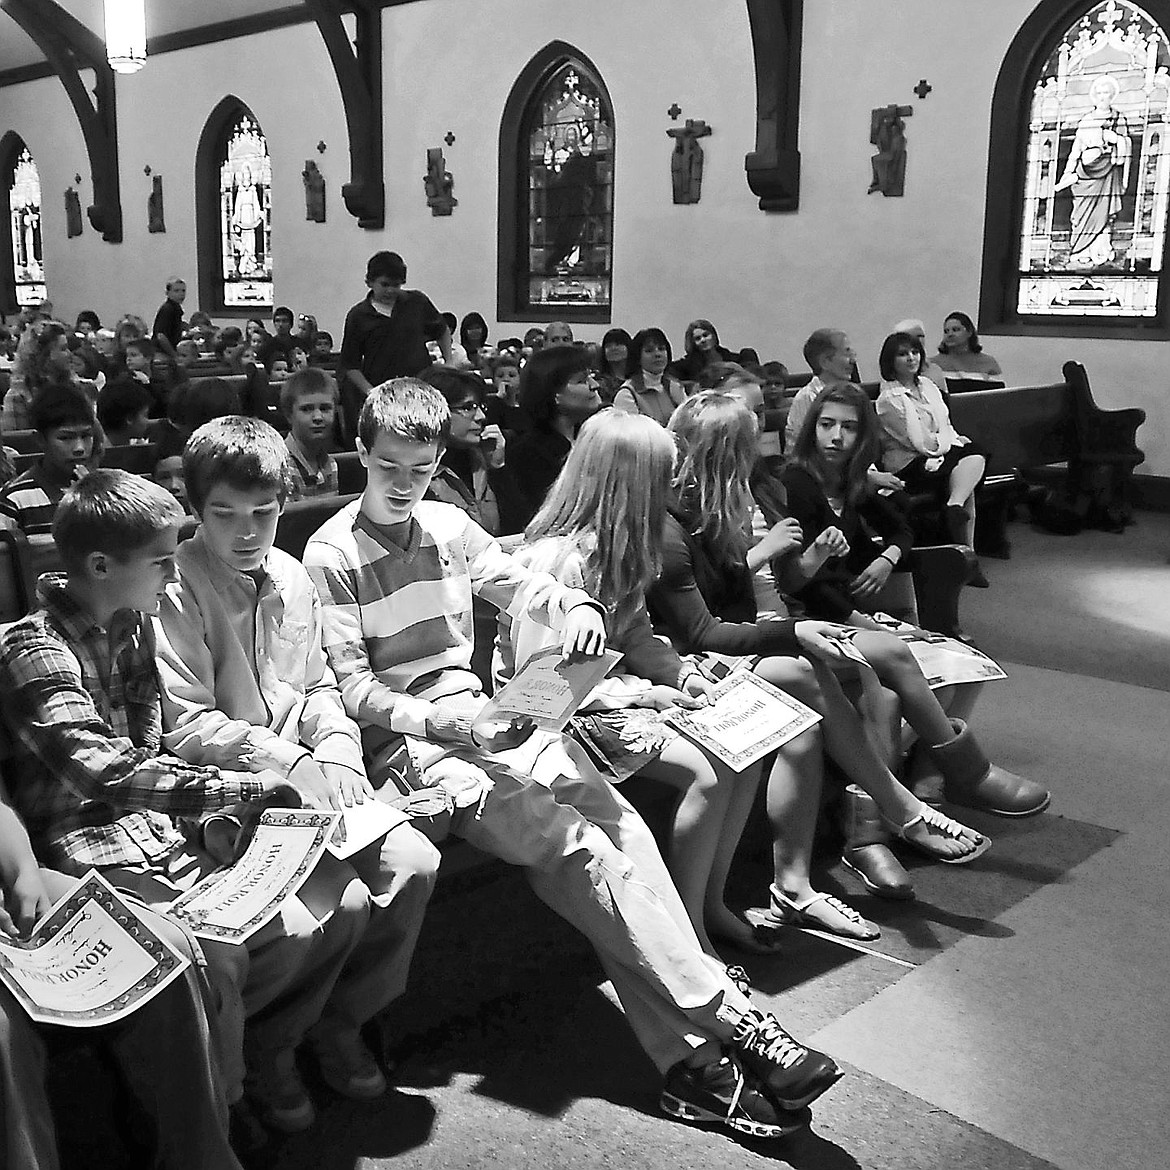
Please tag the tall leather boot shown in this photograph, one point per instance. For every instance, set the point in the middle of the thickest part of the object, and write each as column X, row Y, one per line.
column 974, row 781
column 956, row 521
column 867, row 850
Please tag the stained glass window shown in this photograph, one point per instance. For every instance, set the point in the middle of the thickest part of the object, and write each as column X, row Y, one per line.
column 567, row 242
column 245, row 215
column 24, row 206
column 1097, row 175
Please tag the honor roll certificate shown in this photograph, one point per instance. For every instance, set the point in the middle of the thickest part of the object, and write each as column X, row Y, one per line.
column 91, row 960
column 233, row 903
column 548, row 689
column 745, row 719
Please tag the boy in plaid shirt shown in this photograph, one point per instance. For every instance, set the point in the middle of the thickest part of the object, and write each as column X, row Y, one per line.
column 81, row 702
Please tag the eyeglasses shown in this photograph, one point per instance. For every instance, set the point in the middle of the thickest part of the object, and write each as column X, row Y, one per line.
column 465, row 407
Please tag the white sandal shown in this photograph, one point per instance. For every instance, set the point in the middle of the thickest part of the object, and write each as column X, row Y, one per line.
column 948, row 827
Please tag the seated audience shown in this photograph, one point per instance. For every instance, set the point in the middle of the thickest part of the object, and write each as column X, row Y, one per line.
column 124, row 411
column 472, row 472
column 256, row 333
column 558, row 333
column 322, row 351
column 166, row 376
column 309, row 401
column 533, row 340
column 600, row 530
column 558, row 394
column 700, row 348
column 961, row 354
column 65, row 421
column 167, row 330
column 246, row 687
column 917, row 330
column 401, row 673
column 614, row 363
column 704, row 601
column 650, row 389
column 168, row 473
column 129, row 328
column 502, row 407
column 88, row 323
column 177, row 1085
column 473, row 335
column 280, row 343
column 921, row 447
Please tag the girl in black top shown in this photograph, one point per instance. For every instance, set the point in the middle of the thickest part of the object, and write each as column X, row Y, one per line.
column 854, row 543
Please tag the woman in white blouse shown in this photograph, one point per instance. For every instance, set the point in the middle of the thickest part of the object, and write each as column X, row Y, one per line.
column 919, row 444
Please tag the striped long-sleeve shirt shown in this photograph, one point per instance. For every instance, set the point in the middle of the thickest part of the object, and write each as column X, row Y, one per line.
column 397, row 622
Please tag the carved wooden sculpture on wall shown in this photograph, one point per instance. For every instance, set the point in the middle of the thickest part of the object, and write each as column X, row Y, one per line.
column 73, row 223
column 887, row 131
column 69, row 46
column 314, row 192
column 154, row 206
column 686, row 161
column 439, row 183
column 358, row 68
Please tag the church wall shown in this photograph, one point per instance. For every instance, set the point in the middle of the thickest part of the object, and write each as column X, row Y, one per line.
column 860, row 261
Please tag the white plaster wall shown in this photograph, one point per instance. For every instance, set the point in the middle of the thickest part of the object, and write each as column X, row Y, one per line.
column 848, row 258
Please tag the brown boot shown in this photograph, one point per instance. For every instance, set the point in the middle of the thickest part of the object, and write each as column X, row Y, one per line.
column 922, row 777
column 972, row 780
column 867, row 850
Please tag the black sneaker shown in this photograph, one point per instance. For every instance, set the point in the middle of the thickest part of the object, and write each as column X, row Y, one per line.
column 793, row 1074
column 722, row 1092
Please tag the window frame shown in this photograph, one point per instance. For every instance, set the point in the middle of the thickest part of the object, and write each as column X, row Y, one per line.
column 1011, row 108
column 11, row 147
column 512, row 218
column 208, row 245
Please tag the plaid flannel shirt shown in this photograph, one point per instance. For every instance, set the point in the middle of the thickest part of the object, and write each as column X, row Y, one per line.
column 311, row 476
column 83, row 710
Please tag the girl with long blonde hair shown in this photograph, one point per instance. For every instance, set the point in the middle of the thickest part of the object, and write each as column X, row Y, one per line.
column 600, row 529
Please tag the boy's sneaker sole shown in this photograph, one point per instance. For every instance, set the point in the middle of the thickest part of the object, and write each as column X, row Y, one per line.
column 682, row 1110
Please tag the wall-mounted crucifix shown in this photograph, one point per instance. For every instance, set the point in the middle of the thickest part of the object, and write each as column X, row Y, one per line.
column 686, row 163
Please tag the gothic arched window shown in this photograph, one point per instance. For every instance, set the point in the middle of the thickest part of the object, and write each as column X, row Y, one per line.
column 1081, row 248
column 24, row 267
column 556, row 192
column 235, row 211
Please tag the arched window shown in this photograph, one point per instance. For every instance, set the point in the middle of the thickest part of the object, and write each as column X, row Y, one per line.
column 234, row 212
column 23, row 269
column 556, row 192
column 1081, row 247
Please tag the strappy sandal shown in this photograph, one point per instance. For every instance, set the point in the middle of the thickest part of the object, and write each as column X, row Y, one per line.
column 822, row 912
column 740, row 978
column 939, row 824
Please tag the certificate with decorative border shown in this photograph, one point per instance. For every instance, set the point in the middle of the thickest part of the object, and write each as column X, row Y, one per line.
column 548, row 688
column 91, row 960
column 745, row 718
column 233, row 903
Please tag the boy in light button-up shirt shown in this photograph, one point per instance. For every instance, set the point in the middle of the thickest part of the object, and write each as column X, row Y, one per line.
column 245, row 679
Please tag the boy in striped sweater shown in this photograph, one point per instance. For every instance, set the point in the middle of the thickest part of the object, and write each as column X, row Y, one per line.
column 396, row 575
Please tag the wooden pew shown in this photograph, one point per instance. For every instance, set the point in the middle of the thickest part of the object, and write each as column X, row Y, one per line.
column 26, row 442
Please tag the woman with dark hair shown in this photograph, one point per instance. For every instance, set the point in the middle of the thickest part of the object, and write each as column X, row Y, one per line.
column 87, row 322
column 473, row 335
column 558, row 392
column 701, row 347
column 919, row 444
column 855, row 542
column 960, row 352
column 613, row 363
column 649, row 389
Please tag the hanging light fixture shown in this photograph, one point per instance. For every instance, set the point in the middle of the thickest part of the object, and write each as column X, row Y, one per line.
column 126, row 35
